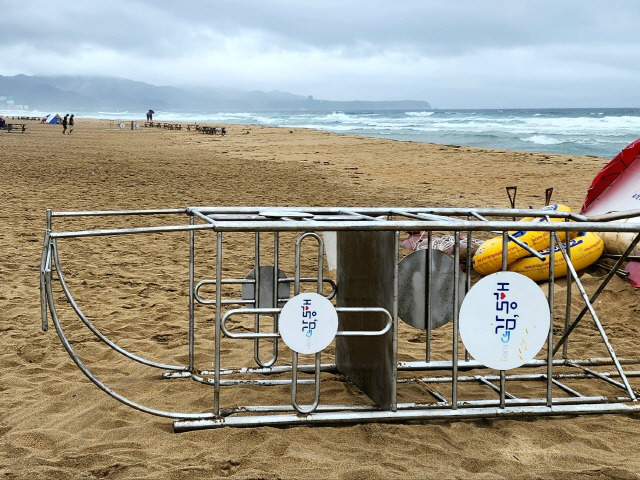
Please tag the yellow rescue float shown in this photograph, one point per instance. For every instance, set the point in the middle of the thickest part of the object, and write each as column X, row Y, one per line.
column 488, row 257
column 585, row 249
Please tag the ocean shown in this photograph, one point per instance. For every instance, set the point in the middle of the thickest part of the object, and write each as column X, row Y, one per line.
column 599, row 132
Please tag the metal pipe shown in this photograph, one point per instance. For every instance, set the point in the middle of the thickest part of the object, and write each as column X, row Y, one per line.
column 427, row 299
column 130, row 231
column 93, row 329
column 599, row 290
column 588, row 374
column 607, row 378
column 242, row 281
column 505, row 247
column 383, row 211
column 365, row 225
column 567, row 315
column 112, row 393
column 44, row 260
column 596, row 320
column 436, row 365
column 270, row 311
column 403, row 416
column 551, row 300
column 276, row 285
column 317, row 219
column 500, row 389
column 218, row 328
column 614, row 216
column 512, row 238
column 294, row 385
column 467, row 284
column 201, row 216
column 162, row 211
column 256, row 301
column 191, row 297
column 394, row 315
column 456, row 320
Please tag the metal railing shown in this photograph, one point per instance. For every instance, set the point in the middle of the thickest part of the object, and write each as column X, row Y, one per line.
column 570, row 385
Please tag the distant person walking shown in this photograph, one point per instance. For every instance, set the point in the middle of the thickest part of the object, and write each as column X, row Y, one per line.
column 65, row 122
column 71, row 124
column 150, row 115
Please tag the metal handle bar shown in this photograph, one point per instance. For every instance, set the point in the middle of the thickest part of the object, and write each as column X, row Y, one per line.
column 273, row 311
column 239, row 281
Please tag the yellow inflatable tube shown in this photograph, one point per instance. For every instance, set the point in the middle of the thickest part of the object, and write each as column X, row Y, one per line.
column 585, row 249
column 488, row 257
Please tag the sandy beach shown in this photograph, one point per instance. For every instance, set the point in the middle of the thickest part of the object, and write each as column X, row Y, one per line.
column 56, row 424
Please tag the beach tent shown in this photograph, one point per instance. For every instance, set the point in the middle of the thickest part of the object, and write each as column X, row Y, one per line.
column 617, row 187
column 52, row 118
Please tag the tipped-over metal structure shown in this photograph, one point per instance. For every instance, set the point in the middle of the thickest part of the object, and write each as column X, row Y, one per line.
column 244, row 264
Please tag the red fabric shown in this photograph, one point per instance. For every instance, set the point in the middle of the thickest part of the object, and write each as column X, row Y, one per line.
column 611, row 171
column 633, row 267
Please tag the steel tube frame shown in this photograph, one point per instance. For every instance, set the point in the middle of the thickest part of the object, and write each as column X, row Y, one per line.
column 404, row 416
column 307, row 221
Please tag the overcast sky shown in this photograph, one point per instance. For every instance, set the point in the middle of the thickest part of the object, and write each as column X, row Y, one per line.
column 453, row 54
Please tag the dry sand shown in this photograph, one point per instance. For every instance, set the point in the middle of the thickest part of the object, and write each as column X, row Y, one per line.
column 56, row 424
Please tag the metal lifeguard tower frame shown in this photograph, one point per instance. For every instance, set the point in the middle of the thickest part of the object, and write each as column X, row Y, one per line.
column 430, row 376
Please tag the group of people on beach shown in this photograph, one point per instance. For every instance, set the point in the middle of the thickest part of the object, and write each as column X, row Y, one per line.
column 67, row 124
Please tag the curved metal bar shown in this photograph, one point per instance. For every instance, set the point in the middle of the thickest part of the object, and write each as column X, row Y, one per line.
column 245, row 311
column 256, row 302
column 97, row 332
column 240, row 281
column 294, row 386
column 365, row 333
column 84, row 369
column 296, row 284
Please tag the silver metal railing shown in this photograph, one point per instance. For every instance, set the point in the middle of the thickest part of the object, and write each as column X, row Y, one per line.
column 552, row 368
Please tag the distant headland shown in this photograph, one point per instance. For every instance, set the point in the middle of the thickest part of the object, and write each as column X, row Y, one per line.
column 91, row 93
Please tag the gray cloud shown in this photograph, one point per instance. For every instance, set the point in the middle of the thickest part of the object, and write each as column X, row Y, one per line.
column 481, row 53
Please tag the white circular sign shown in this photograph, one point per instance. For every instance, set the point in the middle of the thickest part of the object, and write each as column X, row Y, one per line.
column 308, row 323
column 504, row 320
